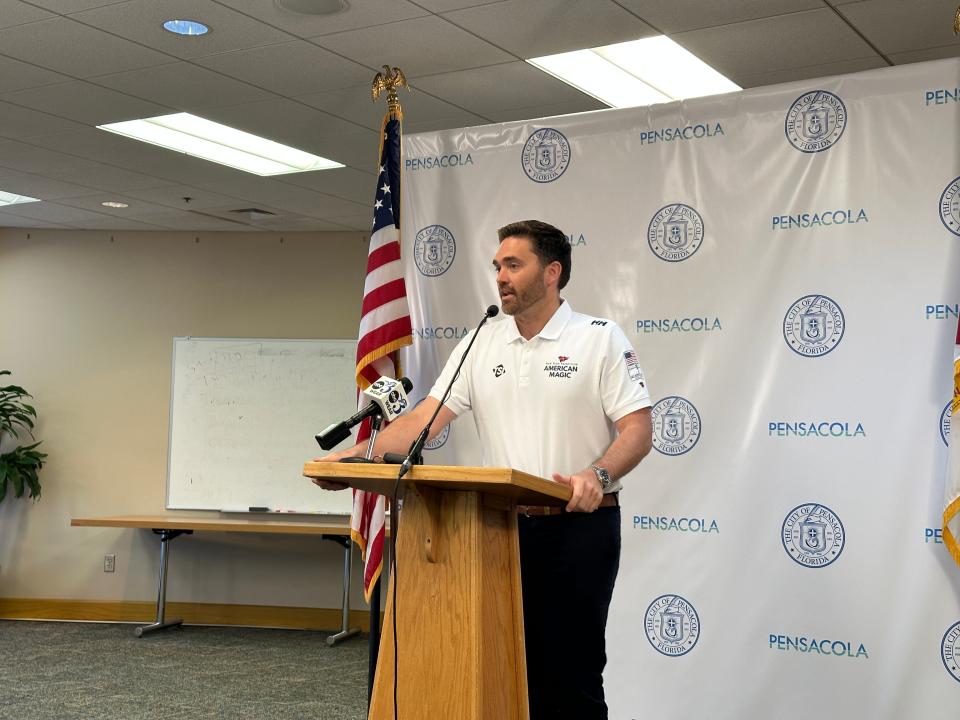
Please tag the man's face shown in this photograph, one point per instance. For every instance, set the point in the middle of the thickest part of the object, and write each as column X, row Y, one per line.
column 520, row 278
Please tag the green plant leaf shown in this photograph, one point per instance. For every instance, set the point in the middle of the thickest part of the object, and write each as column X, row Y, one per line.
column 17, row 480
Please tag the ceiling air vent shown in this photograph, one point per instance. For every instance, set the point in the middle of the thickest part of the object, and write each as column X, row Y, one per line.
column 254, row 214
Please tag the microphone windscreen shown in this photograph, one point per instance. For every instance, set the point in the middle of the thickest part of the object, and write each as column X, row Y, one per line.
column 493, row 311
column 407, row 385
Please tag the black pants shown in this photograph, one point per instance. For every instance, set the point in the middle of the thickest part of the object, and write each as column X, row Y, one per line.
column 569, row 564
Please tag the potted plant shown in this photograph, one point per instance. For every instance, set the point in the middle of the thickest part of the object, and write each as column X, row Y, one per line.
column 20, row 467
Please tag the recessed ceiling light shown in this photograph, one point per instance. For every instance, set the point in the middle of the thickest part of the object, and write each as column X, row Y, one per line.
column 186, row 27
column 112, row 204
column 640, row 72
column 7, row 198
column 313, row 7
column 222, row 144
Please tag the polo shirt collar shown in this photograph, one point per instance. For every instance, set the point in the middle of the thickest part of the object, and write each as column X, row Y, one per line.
column 553, row 328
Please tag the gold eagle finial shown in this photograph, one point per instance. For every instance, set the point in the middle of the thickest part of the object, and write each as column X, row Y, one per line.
column 390, row 79
column 956, row 22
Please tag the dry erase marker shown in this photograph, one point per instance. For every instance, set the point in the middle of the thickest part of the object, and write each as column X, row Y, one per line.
column 257, row 508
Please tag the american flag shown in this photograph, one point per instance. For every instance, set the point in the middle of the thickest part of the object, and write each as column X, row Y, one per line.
column 951, row 495
column 384, row 329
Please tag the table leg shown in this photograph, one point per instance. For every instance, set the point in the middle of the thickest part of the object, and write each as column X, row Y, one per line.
column 345, row 630
column 165, row 537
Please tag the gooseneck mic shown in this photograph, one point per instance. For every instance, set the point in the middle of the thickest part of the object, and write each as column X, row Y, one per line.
column 413, row 456
column 388, row 398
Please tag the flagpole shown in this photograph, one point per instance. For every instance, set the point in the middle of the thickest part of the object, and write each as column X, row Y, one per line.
column 389, row 80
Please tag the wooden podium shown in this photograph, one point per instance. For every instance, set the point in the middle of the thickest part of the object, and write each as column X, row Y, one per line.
column 459, row 606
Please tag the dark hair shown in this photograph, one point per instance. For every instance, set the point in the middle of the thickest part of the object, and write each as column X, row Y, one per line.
column 549, row 244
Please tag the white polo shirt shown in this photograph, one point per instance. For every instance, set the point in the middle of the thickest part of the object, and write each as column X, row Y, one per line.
column 547, row 404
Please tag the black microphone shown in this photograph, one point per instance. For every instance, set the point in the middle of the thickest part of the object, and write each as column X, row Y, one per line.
column 413, row 456
column 388, row 397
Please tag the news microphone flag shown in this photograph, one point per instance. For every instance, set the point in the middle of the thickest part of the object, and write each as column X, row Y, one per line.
column 384, row 329
column 951, row 495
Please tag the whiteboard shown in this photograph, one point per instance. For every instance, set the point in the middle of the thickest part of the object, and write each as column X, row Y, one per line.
column 243, row 415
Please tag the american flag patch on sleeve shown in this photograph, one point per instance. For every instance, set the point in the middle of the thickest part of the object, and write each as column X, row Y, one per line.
column 633, row 367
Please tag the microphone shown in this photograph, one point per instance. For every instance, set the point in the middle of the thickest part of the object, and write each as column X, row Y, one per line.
column 414, row 455
column 388, row 398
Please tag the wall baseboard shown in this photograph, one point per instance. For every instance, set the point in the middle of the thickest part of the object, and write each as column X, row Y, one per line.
column 273, row 616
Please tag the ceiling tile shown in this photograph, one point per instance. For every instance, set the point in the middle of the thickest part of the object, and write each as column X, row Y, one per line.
column 284, row 121
column 183, row 86
column 673, row 16
column 18, row 123
column 586, row 104
column 487, row 90
column 65, row 7
column 16, row 75
column 362, row 222
column 54, row 212
column 172, row 196
column 93, row 204
column 114, row 179
column 423, row 45
column 440, row 6
column 177, row 220
column 13, row 221
column 80, row 101
column 935, row 53
column 360, row 13
column 531, row 28
column 102, row 222
column 347, row 183
column 31, row 158
column 811, row 72
column 134, row 155
column 354, row 104
column 290, row 68
column 288, row 198
column 775, row 43
column 14, row 12
column 45, row 188
column 895, row 26
column 142, row 21
column 69, row 47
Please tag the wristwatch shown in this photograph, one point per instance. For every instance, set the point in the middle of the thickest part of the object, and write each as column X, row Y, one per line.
column 603, row 476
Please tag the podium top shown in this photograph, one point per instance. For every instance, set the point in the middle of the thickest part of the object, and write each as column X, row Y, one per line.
column 514, row 485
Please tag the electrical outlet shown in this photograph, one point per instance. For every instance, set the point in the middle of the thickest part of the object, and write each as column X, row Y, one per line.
column 109, row 563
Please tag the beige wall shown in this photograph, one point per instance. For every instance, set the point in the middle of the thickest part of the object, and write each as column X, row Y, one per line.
column 86, row 325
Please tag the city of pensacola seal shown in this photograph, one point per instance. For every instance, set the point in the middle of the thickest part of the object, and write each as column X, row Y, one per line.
column 433, row 250
column 815, row 121
column 813, row 325
column 950, row 206
column 675, row 232
column 676, row 425
column 546, row 155
column 812, row 535
column 672, row 625
column 950, row 650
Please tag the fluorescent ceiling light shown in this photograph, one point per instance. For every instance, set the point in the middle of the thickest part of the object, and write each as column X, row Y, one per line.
column 114, row 204
column 12, row 199
column 640, row 72
column 186, row 27
column 218, row 143
column 594, row 75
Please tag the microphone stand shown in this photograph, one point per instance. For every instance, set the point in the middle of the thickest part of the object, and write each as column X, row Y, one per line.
column 375, row 423
column 415, row 455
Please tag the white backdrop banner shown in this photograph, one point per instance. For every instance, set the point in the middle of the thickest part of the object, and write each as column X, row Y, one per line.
column 785, row 262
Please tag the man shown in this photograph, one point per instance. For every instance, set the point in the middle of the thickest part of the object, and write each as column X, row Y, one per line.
column 557, row 394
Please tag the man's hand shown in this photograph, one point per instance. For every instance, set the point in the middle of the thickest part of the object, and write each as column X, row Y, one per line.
column 587, row 492
column 334, row 457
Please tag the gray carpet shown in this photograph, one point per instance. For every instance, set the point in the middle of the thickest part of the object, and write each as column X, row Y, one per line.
column 69, row 671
